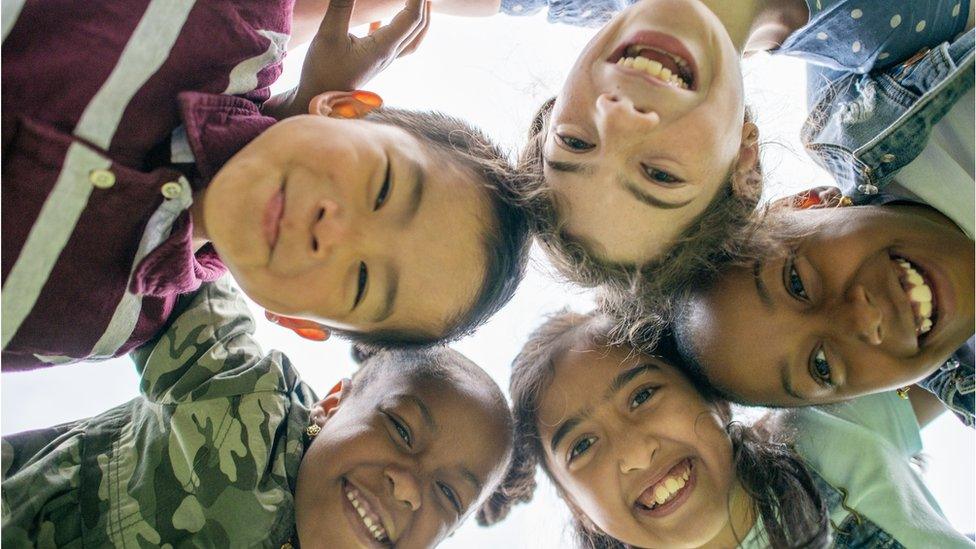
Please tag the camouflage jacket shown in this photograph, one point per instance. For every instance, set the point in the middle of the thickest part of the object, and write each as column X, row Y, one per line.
column 206, row 457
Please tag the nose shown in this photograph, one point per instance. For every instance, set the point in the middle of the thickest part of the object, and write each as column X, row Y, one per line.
column 616, row 112
column 635, row 451
column 865, row 316
column 404, row 486
column 331, row 225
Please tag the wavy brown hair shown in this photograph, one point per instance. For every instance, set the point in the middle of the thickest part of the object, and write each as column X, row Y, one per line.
column 637, row 295
column 784, row 495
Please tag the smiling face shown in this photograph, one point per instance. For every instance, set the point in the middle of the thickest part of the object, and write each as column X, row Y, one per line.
column 350, row 222
column 634, row 154
column 636, row 449
column 412, row 454
column 872, row 299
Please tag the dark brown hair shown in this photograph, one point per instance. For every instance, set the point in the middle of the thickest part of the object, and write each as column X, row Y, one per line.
column 506, row 240
column 784, row 494
column 637, row 294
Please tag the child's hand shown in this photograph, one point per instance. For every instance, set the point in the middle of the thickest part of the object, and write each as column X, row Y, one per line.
column 338, row 60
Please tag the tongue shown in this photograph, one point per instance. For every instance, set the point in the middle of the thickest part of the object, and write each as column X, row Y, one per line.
column 661, row 58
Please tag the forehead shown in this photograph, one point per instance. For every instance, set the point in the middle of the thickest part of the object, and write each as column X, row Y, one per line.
column 443, row 259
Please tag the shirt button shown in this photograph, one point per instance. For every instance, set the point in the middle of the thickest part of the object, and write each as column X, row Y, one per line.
column 171, row 190
column 887, row 157
column 867, row 188
column 102, row 179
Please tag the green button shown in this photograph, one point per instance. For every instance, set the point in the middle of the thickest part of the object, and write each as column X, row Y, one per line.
column 172, row 189
column 103, row 179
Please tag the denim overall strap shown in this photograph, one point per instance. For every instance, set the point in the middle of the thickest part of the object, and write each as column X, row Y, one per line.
column 856, row 531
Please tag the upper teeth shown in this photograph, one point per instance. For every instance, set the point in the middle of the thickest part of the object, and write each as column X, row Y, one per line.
column 666, row 488
column 633, row 60
column 919, row 295
column 369, row 518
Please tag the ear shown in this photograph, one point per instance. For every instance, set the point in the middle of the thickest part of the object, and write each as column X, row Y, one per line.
column 748, row 159
column 325, row 408
column 813, row 199
column 307, row 329
column 344, row 104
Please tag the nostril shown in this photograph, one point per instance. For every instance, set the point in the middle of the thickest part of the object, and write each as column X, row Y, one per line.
column 641, row 110
column 315, row 244
column 613, row 98
column 321, row 214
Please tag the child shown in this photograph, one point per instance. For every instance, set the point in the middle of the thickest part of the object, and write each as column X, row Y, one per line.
column 847, row 301
column 646, row 162
column 227, row 447
column 135, row 152
column 644, row 459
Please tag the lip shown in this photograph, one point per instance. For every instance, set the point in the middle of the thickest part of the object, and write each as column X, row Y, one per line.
column 673, row 505
column 661, row 41
column 942, row 292
column 356, row 523
column 271, row 220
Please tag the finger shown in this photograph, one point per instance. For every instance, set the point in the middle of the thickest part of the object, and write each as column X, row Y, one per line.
column 337, row 17
column 413, row 42
column 389, row 38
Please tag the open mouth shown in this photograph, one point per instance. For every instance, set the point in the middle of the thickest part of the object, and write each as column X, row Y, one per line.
column 919, row 289
column 659, row 56
column 668, row 493
column 370, row 519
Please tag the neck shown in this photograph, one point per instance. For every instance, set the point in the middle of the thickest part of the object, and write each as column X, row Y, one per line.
column 742, row 518
column 758, row 25
column 200, row 237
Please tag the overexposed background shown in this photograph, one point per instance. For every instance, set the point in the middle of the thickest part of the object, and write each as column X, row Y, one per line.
column 496, row 72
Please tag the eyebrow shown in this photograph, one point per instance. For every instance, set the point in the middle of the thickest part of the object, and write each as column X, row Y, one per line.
column 419, row 178
column 424, row 411
column 568, row 167
column 615, row 386
column 649, row 199
column 472, row 479
column 761, row 288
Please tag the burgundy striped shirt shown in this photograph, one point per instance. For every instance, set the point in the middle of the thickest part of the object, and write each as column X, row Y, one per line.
column 114, row 113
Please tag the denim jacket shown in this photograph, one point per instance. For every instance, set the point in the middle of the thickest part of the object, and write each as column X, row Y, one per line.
column 856, row 531
column 954, row 383
column 864, row 127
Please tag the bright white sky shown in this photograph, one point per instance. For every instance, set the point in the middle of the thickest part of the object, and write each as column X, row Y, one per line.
column 496, row 72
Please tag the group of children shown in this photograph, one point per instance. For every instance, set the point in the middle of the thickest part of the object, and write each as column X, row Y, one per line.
column 143, row 157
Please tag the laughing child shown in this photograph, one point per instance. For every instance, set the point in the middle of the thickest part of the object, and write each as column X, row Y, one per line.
column 643, row 458
column 227, row 447
column 138, row 164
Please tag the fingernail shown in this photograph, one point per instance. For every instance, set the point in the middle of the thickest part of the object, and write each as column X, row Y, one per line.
column 375, row 26
column 312, row 334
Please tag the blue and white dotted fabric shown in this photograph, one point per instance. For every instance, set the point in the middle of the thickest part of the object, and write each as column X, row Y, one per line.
column 863, row 35
column 581, row 13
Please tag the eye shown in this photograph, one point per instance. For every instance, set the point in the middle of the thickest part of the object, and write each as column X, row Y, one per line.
column 580, row 447
column 641, row 396
column 402, row 431
column 659, row 176
column 820, row 368
column 793, row 281
column 574, row 143
column 361, row 284
column 385, row 189
column 451, row 496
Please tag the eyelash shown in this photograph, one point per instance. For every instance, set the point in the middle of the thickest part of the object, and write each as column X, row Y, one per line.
column 451, row 496
column 820, row 367
column 574, row 143
column 794, row 282
column 361, row 284
column 646, row 389
column 402, row 431
column 385, row 189
column 660, row 176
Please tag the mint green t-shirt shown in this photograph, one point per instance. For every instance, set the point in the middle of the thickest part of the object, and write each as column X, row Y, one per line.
column 866, row 446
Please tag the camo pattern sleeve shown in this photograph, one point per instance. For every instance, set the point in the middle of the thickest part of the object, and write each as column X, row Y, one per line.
column 208, row 456
column 580, row 13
